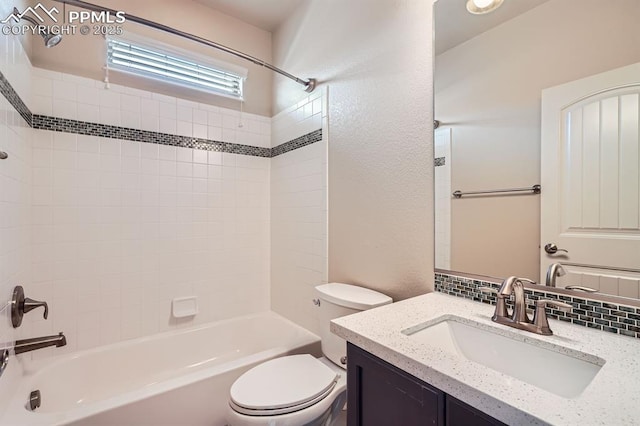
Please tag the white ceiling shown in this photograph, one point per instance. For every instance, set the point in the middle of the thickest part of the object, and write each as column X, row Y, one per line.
column 265, row 14
column 454, row 25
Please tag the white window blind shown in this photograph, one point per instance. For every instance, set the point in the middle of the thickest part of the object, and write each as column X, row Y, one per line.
column 126, row 56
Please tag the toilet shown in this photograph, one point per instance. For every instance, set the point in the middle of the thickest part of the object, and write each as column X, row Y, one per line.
column 301, row 390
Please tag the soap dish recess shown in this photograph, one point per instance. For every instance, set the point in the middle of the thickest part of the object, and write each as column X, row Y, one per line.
column 183, row 307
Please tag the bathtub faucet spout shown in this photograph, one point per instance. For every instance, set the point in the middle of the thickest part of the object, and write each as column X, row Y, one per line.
column 28, row 345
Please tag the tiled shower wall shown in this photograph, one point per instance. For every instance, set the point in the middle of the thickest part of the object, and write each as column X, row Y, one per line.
column 120, row 228
column 15, row 196
column 299, row 211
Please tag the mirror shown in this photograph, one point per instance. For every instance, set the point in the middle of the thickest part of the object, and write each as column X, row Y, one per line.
column 490, row 72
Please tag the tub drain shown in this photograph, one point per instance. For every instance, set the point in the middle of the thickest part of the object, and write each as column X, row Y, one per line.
column 34, row 400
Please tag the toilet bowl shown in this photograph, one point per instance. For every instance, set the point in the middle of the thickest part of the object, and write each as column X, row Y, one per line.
column 302, row 390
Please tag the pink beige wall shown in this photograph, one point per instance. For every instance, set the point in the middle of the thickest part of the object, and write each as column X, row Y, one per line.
column 187, row 16
column 374, row 59
column 488, row 92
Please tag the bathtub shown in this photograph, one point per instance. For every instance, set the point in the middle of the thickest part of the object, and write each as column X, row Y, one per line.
column 176, row 378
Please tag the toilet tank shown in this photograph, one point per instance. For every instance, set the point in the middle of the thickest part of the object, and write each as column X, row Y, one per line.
column 338, row 300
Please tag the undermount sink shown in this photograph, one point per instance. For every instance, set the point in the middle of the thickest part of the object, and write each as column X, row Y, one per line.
column 562, row 371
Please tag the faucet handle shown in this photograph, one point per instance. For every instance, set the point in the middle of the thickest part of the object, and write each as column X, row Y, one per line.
column 21, row 305
column 581, row 288
column 540, row 320
column 30, row 304
column 556, row 304
column 486, row 289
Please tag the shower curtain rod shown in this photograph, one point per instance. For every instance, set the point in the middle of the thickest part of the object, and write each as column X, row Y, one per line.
column 309, row 84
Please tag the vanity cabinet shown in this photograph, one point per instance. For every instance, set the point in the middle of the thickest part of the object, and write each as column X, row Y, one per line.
column 380, row 394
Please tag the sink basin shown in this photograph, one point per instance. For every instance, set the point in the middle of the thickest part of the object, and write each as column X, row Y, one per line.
column 562, row 371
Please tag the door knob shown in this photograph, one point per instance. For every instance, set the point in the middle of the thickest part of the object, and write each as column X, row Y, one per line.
column 553, row 249
column 21, row 305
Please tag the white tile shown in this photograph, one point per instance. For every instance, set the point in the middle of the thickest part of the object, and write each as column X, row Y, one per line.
column 167, row 152
column 214, row 119
column 185, row 128
column 150, row 107
column 88, row 95
column 88, row 113
column 185, row 154
column 88, row 143
column 130, row 149
column 168, row 110
column 65, row 109
column 200, row 131
column 168, row 126
column 214, row 133
column 200, row 156
column 110, row 146
column 42, row 105
column 130, row 103
column 229, row 135
column 200, row 117
column 130, row 120
column 185, row 114
column 214, row 158
column 110, row 116
column 63, row 90
column 65, row 141
column 109, row 99
column 42, row 86
column 149, row 150
column 149, row 123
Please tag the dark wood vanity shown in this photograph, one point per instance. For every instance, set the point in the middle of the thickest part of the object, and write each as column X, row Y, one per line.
column 380, row 394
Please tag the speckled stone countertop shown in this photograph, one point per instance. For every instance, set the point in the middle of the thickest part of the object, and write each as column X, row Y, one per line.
column 612, row 398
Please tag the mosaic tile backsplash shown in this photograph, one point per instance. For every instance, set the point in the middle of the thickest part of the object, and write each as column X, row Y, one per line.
column 599, row 315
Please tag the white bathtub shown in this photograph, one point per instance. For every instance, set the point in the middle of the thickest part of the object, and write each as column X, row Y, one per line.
column 177, row 378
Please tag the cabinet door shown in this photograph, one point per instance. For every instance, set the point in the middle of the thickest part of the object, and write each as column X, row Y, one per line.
column 380, row 394
column 460, row 414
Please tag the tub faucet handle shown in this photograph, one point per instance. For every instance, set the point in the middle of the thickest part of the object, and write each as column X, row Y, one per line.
column 20, row 305
column 30, row 304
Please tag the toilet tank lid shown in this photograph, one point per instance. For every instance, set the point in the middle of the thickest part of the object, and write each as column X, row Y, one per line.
column 351, row 296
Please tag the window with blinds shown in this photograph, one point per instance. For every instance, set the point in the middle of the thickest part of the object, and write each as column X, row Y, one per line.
column 129, row 57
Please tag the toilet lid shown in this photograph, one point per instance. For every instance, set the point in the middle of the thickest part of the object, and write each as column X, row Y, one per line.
column 282, row 385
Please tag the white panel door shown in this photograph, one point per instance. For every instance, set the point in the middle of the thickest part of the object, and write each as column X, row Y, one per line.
column 590, row 201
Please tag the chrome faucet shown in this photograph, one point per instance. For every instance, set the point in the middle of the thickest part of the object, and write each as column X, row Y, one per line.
column 554, row 271
column 519, row 318
column 28, row 345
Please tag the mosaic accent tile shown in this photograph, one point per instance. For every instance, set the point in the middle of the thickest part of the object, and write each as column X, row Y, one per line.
column 308, row 139
column 55, row 124
column 613, row 318
column 440, row 161
column 14, row 99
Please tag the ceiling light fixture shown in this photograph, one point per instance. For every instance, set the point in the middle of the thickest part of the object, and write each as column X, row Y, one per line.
column 480, row 7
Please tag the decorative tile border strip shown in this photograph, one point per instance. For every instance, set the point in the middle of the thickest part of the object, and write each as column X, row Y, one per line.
column 596, row 314
column 14, row 99
column 55, row 124
column 440, row 161
column 302, row 141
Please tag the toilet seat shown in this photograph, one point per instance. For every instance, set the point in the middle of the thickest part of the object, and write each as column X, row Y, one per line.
column 282, row 385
